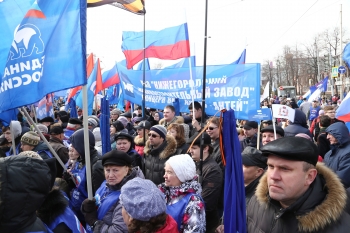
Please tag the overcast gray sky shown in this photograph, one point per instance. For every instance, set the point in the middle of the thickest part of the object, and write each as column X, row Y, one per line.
column 263, row 27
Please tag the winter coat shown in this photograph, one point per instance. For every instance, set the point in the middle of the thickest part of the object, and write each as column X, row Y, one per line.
column 182, row 149
column 176, row 120
column 24, row 185
column 338, row 158
column 299, row 125
column 53, row 207
column 320, row 209
column 316, row 124
column 250, row 189
column 61, row 151
column 211, row 191
column 194, row 215
column 41, row 148
column 136, row 158
column 113, row 221
column 194, row 130
column 252, row 141
column 154, row 159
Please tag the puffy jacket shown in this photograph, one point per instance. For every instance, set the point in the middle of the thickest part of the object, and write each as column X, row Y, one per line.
column 113, row 221
column 320, row 209
column 154, row 159
column 24, row 185
column 299, row 125
column 338, row 158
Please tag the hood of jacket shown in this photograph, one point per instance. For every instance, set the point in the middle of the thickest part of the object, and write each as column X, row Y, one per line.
column 328, row 211
column 24, row 185
column 340, row 132
column 299, row 119
column 77, row 141
column 169, row 149
column 41, row 146
column 16, row 128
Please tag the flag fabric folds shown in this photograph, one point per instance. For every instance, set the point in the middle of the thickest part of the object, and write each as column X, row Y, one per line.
column 346, row 54
column 91, row 88
column 234, row 193
column 170, row 43
column 111, row 77
column 45, row 107
column 241, row 59
column 141, row 64
column 184, row 63
column 104, row 126
column 343, row 111
column 315, row 91
column 89, row 68
column 266, row 93
column 8, row 116
column 41, row 49
column 134, row 6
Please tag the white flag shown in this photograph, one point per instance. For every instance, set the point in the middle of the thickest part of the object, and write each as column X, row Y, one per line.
column 283, row 111
column 266, row 93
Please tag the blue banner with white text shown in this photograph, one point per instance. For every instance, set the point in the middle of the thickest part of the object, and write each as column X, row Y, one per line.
column 234, row 87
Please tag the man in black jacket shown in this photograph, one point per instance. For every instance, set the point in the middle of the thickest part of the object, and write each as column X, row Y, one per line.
column 297, row 194
column 212, row 179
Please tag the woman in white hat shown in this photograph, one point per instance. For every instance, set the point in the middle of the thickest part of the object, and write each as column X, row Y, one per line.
column 182, row 192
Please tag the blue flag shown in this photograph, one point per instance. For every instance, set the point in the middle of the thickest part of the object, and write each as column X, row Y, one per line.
column 241, row 59
column 234, row 194
column 184, row 63
column 8, row 116
column 45, row 107
column 91, row 86
column 147, row 66
column 43, row 49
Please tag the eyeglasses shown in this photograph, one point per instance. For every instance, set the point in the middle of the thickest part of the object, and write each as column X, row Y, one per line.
column 153, row 135
column 212, row 128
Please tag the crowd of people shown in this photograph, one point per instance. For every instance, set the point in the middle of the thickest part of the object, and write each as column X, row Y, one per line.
column 296, row 173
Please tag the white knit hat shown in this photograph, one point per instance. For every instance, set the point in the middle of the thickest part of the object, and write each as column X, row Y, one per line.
column 183, row 166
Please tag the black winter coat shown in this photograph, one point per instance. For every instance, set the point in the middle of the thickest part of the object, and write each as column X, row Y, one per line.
column 154, row 159
column 320, row 209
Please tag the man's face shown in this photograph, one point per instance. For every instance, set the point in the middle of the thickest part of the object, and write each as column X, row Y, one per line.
column 168, row 114
column 26, row 147
column 250, row 173
column 287, row 180
column 250, row 132
column 268, row 137
column 114, row 116
column 197, row 113
column 332, row 140
column 7, row 134
column 330, row 113
column 80, row 113
column 154, row 139
column 213, row 131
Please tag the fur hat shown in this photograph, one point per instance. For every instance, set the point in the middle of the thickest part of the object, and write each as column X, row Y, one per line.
column 42, row 128
column 31, row 138
column 142, row 200
column 183, row 166
column 123, row 120
column 117, row 158
column 159, row 129
column 30, row 154
column 118, row 125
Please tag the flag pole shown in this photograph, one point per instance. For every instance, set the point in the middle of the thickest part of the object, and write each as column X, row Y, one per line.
column 86, row 144
column 191, row 78
column 200, row 176
column 44, row 139
column 144, row 77
column 13, row 144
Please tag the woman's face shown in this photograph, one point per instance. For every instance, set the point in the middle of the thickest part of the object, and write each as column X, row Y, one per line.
column 112, row 130
column 156, row 116
column 123, row 145
column 115, row 174
column 170, row 177
column 7, row 134
column 172, row 132
column 73, row 153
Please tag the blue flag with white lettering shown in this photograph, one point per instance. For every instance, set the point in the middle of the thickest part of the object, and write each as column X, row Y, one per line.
column 43, row 49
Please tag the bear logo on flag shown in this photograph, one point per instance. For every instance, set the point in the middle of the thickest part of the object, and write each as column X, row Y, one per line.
column 128, row 87
column 27, row 39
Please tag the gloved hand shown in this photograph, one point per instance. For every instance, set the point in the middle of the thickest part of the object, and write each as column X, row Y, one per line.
column 68, row 178
column 88, row 208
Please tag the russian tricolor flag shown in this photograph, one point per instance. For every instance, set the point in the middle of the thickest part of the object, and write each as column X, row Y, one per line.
column 343, row 111
column 170, row 44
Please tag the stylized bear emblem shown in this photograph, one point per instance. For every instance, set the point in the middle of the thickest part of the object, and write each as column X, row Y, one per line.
column 27, row 38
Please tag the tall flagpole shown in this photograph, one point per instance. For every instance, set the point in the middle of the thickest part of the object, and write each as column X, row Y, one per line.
column 144, row 77
column 200, row 176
